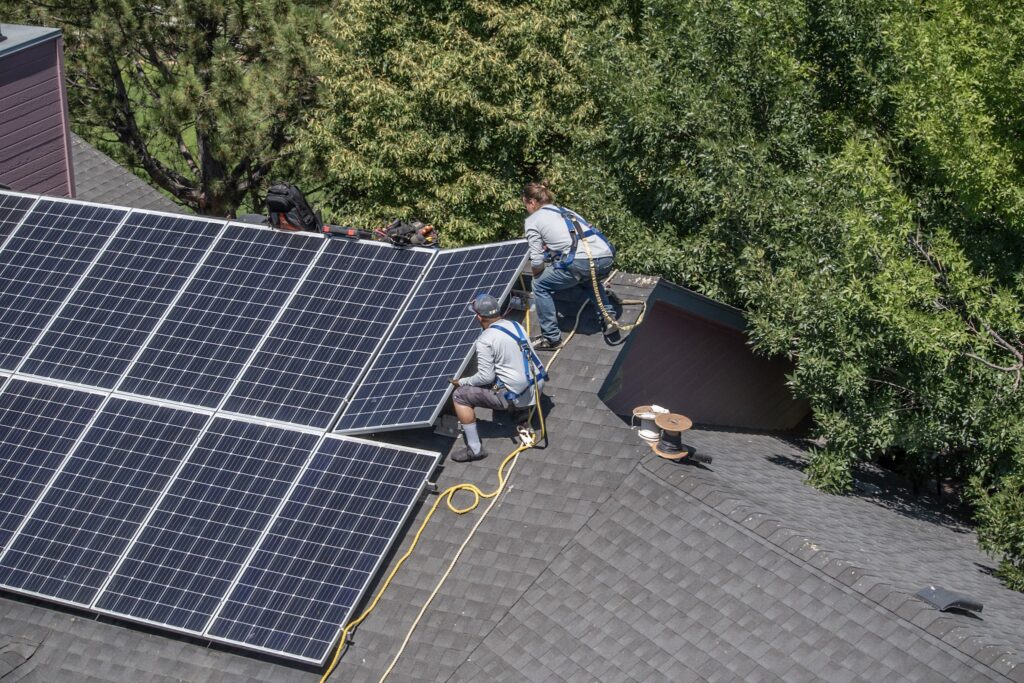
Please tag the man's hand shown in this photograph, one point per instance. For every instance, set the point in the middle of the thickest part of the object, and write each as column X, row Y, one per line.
column 454, row 382
column 537, row 270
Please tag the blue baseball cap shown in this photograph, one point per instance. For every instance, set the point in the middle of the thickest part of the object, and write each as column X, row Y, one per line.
column 485, row 305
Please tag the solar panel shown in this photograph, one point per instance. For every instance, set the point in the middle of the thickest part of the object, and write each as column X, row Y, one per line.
column 408, row 381
column 92, row 509
column 39, row 424
column 202, row 346
column 41, row 263
column 122, row 299
column 185, row 558
column 323, row 549
column 13, row 208
column 184, row 517
column 316, row 352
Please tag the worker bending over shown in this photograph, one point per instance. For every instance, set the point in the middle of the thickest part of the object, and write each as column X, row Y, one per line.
column 507, row 372
column 560, row 260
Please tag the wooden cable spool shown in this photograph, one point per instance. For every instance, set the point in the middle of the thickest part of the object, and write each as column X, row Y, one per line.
column 670, row 445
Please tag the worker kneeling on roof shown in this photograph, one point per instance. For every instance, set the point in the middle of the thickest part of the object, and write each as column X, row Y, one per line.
column 509, row 374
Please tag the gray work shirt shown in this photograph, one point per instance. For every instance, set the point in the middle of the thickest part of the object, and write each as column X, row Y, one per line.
column 498, row 357
column 545, row 228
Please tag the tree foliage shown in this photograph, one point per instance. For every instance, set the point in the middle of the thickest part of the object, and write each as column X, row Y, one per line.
column 202, row 96
column 849, row 172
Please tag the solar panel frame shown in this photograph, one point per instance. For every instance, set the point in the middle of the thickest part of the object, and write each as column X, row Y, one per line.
column 89, row 296
column 499, row 293
column 27, row 551
column 111, row 599
column 232, row 404
column 10, row 205
column 66, row 278
column 338, row 623
column 144, row 385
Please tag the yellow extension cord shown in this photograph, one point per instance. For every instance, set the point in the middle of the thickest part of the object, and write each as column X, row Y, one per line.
column 448, row 494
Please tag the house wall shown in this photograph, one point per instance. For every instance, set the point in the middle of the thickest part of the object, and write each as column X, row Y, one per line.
column 35, row 145
column 701, row 368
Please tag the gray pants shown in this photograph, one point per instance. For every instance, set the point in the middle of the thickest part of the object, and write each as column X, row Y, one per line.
column 479, row 397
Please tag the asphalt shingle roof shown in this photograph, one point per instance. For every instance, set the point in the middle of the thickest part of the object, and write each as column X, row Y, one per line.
column 100, row 179
column 602, row 562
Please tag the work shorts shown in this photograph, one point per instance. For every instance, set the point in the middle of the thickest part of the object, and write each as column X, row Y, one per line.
column 479, row 397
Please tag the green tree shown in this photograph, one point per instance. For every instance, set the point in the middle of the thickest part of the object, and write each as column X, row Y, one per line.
column 443, row 111
column 204, row 96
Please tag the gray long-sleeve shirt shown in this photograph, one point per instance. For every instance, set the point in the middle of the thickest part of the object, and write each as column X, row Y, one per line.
column 498, row 357
column 545, row 228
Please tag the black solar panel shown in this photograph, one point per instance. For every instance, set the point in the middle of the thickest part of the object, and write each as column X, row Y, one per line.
column 122, row 299
column 408, row 382
column 201, row 347
column 41, row 263
column 169, row 511
column 12, row 209
column 38, row 427
column 202, row 531
column 76, row 534
column 316, row 352
column 323, row 549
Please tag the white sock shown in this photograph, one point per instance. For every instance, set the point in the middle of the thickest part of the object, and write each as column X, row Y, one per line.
column 472, row 437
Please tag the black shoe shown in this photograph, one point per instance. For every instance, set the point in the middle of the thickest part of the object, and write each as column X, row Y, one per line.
column 464, row 454
column 547, row 345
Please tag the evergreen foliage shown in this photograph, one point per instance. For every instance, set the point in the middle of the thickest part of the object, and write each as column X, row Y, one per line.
column 203, row 97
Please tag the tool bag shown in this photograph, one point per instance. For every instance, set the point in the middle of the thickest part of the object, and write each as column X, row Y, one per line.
column 289, row 210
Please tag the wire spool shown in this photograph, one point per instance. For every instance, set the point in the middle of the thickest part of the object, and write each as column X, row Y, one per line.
column 648, row 430
column 670, row 445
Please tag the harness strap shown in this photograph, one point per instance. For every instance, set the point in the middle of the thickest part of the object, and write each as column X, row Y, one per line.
column 529, row 355
column 576, row 233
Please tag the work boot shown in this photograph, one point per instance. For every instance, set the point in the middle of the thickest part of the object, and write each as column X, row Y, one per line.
column 465, row 454
column 543, row 344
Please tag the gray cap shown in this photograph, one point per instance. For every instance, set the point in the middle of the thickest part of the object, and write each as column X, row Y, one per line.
column 485, row 305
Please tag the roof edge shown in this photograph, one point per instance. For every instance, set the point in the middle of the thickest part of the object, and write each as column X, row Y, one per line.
column 26, row 37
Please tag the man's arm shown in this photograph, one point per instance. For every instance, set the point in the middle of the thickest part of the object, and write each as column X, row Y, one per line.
column 536, row 244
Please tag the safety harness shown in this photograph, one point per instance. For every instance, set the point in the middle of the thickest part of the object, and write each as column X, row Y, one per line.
column 529, row 357
column 577, row 232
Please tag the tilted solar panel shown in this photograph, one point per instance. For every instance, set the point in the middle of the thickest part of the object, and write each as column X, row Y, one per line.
column 40, row 264
column 90, row 512
column 318, row 349
column 323, row 549
column 13, row 208
column 408, row 382
column 39, row 425
column 230, row 303
column 123, row 297
column 201, row 532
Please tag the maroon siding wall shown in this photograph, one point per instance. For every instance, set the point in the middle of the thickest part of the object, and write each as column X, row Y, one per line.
column 35, row 144
column 704, row 370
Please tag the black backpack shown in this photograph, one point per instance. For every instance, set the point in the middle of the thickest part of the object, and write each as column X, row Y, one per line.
column 289, row 209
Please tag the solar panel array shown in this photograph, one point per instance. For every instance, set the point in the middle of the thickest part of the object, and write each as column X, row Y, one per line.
column 174, row 397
